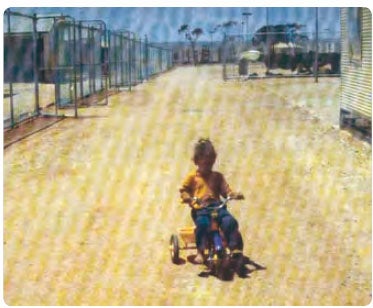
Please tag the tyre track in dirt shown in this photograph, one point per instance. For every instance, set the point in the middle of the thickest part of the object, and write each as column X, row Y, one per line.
column 90, row 204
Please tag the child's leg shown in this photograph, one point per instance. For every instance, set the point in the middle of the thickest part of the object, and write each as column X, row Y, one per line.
column 236, row 241
column 202, row 226
column 229, row 226
column 193, row 214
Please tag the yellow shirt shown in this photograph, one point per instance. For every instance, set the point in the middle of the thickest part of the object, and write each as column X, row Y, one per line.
column 209, row 187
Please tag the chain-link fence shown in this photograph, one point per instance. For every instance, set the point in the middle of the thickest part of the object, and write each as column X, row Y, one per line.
column 277, row 54
column 20, row 69
column 56, row 62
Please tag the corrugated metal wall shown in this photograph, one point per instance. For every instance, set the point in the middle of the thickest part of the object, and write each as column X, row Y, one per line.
column 356, row 78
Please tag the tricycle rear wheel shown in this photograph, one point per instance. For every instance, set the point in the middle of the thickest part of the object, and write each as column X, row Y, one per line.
column 174, row 248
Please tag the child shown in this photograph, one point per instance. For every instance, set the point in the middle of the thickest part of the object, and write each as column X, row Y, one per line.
column 205, row 186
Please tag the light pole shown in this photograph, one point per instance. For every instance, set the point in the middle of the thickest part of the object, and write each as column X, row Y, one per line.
column 267, row 41
column 316, row 64
column 211, row 43
column 246, row 15
column 146, row 54
column 327, row 38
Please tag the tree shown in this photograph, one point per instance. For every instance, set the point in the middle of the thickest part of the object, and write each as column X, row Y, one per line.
column 283, row 33
column 229, row 24
column 192, row 37
column 197, row 32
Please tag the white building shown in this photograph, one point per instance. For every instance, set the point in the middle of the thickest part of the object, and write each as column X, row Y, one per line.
column 356, row 67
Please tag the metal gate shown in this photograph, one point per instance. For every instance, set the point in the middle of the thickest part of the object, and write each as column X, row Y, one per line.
column 56, row 62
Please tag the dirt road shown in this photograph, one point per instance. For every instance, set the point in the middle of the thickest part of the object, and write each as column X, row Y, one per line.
column 90, row 203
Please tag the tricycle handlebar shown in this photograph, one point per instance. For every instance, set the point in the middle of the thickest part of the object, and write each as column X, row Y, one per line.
column 218, row 205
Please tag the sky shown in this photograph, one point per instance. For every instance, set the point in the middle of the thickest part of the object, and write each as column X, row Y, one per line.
column 161, row 23
column 161, row 20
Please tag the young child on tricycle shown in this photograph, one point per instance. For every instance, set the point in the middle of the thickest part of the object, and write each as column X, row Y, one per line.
column 204, row 186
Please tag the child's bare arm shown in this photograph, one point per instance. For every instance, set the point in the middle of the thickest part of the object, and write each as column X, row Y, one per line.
column 226, row 191
column 236, row 196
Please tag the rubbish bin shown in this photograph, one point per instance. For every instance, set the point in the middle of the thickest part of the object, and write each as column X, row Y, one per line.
column 243, row 67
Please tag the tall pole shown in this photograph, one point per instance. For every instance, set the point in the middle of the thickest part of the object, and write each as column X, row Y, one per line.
column 267, row 43
column 140, row 57
column 246, row 16
column 146, row 58
column 129, row 61
column 224, row 56
column 316, row 65
column 11, row 76
column 35, row 64
column 267, row 16
column 211, row 44
column 210, row 51
column 74, row 70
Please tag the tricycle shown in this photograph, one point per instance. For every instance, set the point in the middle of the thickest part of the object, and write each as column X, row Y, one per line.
column 220, row 258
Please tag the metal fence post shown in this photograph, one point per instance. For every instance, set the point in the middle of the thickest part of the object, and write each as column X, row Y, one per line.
column 12, row 124
column 74, row 71
column 146, row 58
column 108, row 33
column 80, row 58
column 129, row 62
column 224, row 56
column 317, row 45
column 140, row 58
column 55, row 63
column 35, row 65
column 106, row 64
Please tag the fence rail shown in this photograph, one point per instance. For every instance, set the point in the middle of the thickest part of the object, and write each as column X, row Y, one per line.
column 55, row 62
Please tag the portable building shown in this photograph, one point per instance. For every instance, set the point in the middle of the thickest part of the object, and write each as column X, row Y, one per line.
column 356, row 68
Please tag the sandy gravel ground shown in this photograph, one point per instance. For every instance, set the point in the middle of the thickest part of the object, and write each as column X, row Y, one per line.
column 90, row 203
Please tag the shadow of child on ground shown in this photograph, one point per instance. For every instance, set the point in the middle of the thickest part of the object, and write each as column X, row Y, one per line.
column 242, row 268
